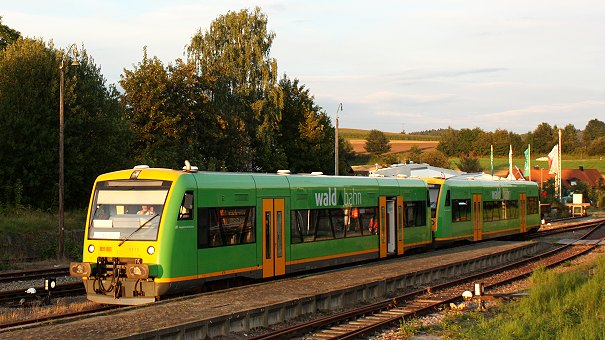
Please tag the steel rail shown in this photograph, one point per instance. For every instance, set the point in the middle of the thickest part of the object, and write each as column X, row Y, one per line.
column 33, row 274
column 14, row 296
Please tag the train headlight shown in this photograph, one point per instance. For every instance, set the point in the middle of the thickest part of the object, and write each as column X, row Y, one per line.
column 137, row 271
column 91, row 248
column 79, row 269
column 151, row 250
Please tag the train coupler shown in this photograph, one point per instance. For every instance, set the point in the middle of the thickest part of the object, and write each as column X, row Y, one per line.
column 117, row 292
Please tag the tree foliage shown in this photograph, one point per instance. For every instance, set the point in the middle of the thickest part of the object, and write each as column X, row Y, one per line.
column 594, row 130
column 569, row 135
column 469, row 164
column 223, row 107
column 29, row 111
column 7, row 35
column 166, row 112
column 478, row 142
column 234, row 54
column 543, row 138
column 305, row 132
column 415, row 154
column 435, row 158
column 377, row 142
column 597, row 147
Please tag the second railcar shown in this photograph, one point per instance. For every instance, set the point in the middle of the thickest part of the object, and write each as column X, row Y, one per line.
column 469, row 209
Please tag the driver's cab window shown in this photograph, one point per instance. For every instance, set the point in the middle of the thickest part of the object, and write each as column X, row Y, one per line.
column 186, row 210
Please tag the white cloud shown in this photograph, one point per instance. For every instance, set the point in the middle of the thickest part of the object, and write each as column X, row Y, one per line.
column 423, row 64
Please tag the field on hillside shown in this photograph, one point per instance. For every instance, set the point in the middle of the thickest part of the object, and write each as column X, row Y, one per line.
column 397, row 146
column 353, row 134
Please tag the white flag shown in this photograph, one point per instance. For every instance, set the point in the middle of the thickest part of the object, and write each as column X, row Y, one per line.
column 510, row 163
column 553, row 160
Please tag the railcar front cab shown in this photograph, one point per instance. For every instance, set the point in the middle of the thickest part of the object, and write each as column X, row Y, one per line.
column 120, row 256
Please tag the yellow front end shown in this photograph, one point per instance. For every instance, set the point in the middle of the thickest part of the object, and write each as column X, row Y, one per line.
column 125, row 220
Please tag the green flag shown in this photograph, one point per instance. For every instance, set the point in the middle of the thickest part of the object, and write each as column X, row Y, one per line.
column 527, row 168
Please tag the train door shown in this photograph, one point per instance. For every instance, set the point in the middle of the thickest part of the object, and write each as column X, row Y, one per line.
column 399, row 223
column 523, row 212
column 382, row 228
column 274, row 240
column 391, row 227
column 477, row 217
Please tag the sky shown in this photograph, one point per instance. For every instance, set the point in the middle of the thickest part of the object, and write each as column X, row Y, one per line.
column 408, row 65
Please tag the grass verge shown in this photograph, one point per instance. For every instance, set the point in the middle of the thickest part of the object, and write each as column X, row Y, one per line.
column 27, row 234
column 568, row 305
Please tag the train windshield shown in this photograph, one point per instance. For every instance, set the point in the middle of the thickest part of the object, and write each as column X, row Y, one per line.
column 127, row 210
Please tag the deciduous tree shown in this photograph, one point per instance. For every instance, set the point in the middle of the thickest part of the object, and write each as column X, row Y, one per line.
column 594, row 129
column 469, row 164
column 235, row 54
column 543, row 138
column 306, row 134
column 7, row 35
column 569, row 137
column 435, row 158
column 377, row 142
column 95, row 140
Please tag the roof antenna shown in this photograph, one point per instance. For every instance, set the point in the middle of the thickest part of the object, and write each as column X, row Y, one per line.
column 190, row 168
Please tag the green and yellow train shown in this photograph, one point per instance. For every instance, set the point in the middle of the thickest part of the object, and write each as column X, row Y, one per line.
column 155, row 231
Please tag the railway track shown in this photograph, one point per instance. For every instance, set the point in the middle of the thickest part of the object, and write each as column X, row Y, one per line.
column 19, row 297
column 364, row 320
column 566, row 228
column 14, row 297
column 33, row 274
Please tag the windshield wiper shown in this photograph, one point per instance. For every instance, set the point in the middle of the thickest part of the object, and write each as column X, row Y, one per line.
column 139, row 228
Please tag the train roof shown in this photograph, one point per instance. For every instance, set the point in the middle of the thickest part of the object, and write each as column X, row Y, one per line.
column 299, row 180
column 477, row 181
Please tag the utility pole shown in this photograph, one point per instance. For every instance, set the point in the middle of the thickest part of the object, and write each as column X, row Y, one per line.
column 61, row 249
column 336, row 142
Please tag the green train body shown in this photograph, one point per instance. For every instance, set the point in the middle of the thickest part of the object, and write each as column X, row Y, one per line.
column 474, row 210
column 155, row 231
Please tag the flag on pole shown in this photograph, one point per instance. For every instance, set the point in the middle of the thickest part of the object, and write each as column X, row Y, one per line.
column 491, row 159
column 559, row 163
column 510, row 162
column 527, row 167
column 553, row 160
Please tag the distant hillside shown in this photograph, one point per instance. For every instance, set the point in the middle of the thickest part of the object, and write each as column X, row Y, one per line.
column 397, row 146
column 362, row 134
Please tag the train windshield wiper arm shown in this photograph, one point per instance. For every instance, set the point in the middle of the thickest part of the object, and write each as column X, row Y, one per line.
column 139, row 228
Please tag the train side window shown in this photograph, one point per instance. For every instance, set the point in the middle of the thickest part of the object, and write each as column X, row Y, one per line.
column 461, row 210
column 415, row 214
column 447, row 199
column 203, row 228
column 186, row 210
column 327, row 224
column 226, row 226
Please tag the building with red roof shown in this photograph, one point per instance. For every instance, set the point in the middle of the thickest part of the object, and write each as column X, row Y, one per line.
column 569, row 177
